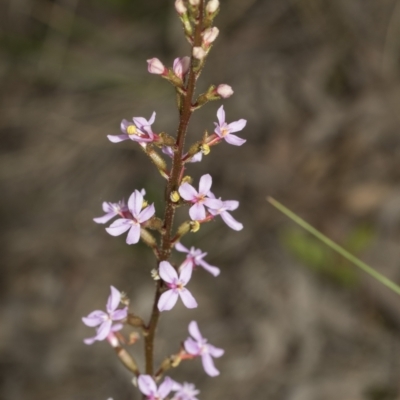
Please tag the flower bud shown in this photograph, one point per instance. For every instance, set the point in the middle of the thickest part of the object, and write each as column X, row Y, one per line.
column 194, row 226
column 194, row 2
column 205, row 149
column 155, row 275
column 209, row 35
column 174, row 196
column 198, row 53
column 180, row 7
column 224, row 91
column 181, row 66
column 155, row 66
column 212, row 6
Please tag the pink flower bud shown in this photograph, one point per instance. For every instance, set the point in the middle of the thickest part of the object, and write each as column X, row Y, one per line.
column 155, row 66
column 198, row 53
column 210, row 34
column 224, row 91
column 181, row 66
column 180, row 7
column 194, row 2
column 212, row 6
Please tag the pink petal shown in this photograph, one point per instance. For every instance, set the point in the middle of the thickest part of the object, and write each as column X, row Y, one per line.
column 135, row 203
column 180, row 247
column 210, row 268
column 120, row 314
column 213, row 203
column 221, row 115
column 152, row 118
column 117, row 138
column 192, row 347
column 105, row 218
column 197, row 212
column 133, row 235
column 94, row 318
column 208, row 365
column 237, row 125
column 195, row 331
column 188, row 192
column 119, row 226
column 106, row 207
column 165, row 387
column 116, row 327
column 167, row 272
column 215, row 351
column 140, row 122
column 147, row 385
column 146, row 214
column 187, row 298
column 231, row 222
column 113, row 299
column 186, row 273
column 231, row 205
column 124, row 125
column 89, row 341
column 167, row 300
column 103, row 330
column 205, row 184
column 234, row 140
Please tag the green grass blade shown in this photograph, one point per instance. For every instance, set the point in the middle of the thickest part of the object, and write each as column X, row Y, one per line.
column 366, row 268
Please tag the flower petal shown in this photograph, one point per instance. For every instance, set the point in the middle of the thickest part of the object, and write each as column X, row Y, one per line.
column 231, row 205
column 180, row 247
column 147, row 385
column 208, row 365
column 187, row 298
column 116, row 327
column 234, row 140
column 89, row 341
column 186, row 273
column 205, row 184
column 152, row 118
column 215, row 351
column 210, row 268
column 195, row 331
column 140, row 122
column 119, row 226
column 167, row 272
column 167, row 300
column 188, row 192
column 192, row 347
column 215, row 204
column 231, row 222
column 197, row 212
column 237, row 125
column 221, row 115
column 165, row 388
column 117, row 138
column 146, row 214
column 133, row 234
column 105, row 218
column 113, row 300
column 103, row 330
column 94, row 318
column 135, row 203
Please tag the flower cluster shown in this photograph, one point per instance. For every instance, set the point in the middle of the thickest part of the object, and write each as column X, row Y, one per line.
column 138, row 218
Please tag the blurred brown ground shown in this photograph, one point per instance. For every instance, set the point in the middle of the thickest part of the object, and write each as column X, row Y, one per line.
column 318, row 82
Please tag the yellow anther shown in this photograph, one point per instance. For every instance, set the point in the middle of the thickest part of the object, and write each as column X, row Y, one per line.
column 205, row 149
column 145, row 204
column 175, row 196
column 131, row 130
column 194, row 226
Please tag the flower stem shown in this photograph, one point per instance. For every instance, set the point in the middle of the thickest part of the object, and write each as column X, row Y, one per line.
column 173, row 185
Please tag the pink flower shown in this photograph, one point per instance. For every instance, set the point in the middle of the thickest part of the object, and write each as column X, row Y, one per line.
column 198, row 346
column 104, row 320
column 222, row 210
column 140, row 131
column 155, row 66
column 187, row 391
column 224, row 130
column 136, row 218
column 199, row 198
column 149, row 388
column 111, row 210
column 181, row 66
column 224, row 91
column 195, row 258
column 176, row 285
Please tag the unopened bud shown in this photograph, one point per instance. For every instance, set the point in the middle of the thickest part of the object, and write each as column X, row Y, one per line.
column 205, row 149
column 181, row 66
column 198, row 53
column 155, row 66
column 187, row 179
column 174, row 196
column 209, row 35
column 212, row 6
column 224, row 91
column 194, row 2
column 194, row 226
column 131, row 130
column 180, row 7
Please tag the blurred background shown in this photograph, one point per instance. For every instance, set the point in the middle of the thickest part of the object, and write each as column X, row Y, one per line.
column 318, row 82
